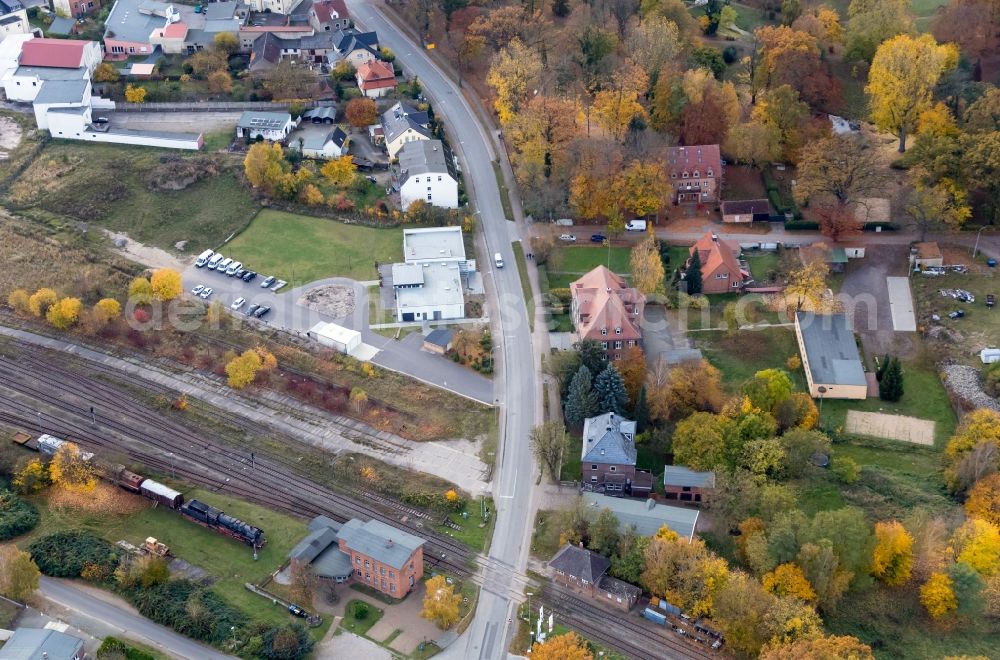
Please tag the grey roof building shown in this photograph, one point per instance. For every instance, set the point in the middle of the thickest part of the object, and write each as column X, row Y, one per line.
column 830, row 356
column 678, row 475
column 646, row 515
column 39, row 643
column 384, row 544
column 400, row 117
column 324, row 114
column 349, row 40
column 608, row 438
column 61, row 26
column 580, row 563
column 62, row 91
column 422, row 157
column 50, row 73
column 132, row 20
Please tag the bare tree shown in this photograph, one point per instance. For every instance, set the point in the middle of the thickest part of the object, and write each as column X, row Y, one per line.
column 549, row 443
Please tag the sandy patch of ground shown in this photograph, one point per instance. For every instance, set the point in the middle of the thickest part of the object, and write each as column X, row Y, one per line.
column 335, row 300
column 891, row 427
column 10, row 136
column 153, row 257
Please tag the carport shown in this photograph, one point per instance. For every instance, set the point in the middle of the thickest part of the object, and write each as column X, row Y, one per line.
column 901, row 304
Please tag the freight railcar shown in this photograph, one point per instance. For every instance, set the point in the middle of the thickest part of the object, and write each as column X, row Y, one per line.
column 209, row 516
column 159, row 493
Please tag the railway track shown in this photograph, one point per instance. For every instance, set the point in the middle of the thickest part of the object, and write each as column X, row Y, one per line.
column 148, row 438
column 615, row 631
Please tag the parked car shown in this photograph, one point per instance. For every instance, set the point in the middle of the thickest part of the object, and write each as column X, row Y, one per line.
column 261, row 311
column 249, row 276
column 569, row 238
column 635, row 225
column 251, row 309
column 239, row 302
column 206, row 292
column 991, row 300
column 198, row 289
column 598, row 238
column 296, row 610
column 268, row 281
column 372, row 179
column 224, row 264
column 957, row 314
column 240, row 272
column 934, row 271
column 233, row 267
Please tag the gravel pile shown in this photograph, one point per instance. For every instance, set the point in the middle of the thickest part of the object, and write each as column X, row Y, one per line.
column 963, row 381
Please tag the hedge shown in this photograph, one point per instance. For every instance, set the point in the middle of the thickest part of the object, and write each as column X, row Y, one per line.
column 112, row 647
column 69, row 554
column 17, row 516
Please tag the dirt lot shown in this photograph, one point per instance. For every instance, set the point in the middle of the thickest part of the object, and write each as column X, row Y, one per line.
column 334, row 300
column 10, row 136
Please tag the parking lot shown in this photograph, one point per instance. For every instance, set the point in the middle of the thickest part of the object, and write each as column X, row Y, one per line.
column 228, row 289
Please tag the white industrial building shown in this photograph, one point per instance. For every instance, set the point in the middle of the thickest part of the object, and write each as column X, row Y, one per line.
column 274, row 126
column 430, row 283
column 424, row 175
column 336, row 336
column 428, row 292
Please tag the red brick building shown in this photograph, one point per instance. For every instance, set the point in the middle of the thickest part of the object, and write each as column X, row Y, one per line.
column 695, row 174
column 721, row 271
column 584, row 571
column 607, row 310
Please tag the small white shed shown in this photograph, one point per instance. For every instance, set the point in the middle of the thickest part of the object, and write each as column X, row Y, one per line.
column 989, row 355
column 336, row 336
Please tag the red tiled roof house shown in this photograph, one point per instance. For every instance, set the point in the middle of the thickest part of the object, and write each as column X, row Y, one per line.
column 695, row 174
column 376, row 79
column 607, row 310
column 61, row 53
column 720, row 269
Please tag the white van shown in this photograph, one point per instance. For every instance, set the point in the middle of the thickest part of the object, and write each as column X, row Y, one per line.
column 213, row 262
column 203, row 258
column 233, row 267
column 223, row 265
column 635, row 225
column 498, row 260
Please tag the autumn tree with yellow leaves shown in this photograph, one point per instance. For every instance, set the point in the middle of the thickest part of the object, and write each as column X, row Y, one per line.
column 647, row 267
column 64, row 313
column 19, row 575
column 19, row 301
column 984, row 499
column 832, row 647
column 135, row 94
column 901, row 82
column 40, row 301
column 70, row 469
column 441, row 603
column 972, row 451
column 513, row 72
column 140, row 291
column 166, row 284
column 108, row 309
column 339, row 171
column 938, row 596
column 892, row 558
column 789, row 580
column 32, row 477
column 568, row 646
column 242, row 370
column 977, row 544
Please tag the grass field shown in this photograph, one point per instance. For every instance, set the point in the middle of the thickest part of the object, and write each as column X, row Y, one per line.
column 473, row 533
column 231, row 563
column 356, row 625
column 110, row 185
column 302, row 249
column 924, row 397
column 741, row 356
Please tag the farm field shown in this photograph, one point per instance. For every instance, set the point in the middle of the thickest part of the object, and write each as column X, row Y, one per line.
column 302, row 249
column 156, row 196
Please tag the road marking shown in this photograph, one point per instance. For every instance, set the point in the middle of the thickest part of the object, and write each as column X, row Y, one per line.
column 506, row 497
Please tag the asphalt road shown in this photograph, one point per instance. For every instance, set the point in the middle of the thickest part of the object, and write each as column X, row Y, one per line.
column 489, row 633
column 104, row 613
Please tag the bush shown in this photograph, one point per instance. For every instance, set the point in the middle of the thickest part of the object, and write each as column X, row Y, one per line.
column 845, row 469
column 112, row 647
column 17, row 516
column 729, row 54
column 189, row 609
column 359, row 611
column 71, row 554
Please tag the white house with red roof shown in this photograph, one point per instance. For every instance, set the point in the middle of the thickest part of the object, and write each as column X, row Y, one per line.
column 376, row 79
column 607, row 310
column 61, row 53
column 42, row 61
column 721, row 271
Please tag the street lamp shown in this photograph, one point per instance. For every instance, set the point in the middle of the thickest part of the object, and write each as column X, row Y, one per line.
column 975, row 248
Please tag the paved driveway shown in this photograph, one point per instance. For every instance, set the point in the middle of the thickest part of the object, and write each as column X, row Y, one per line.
column 865, row 295
column 405, row 356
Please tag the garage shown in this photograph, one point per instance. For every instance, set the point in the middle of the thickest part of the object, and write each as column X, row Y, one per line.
column 336, row 336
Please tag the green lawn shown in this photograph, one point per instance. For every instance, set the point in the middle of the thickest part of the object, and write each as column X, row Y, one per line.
column 508, row 210
column 229, row 562
column 571, row 468
column 109, row 185
column 216, row 140
column 741, row 356
column 762, row 265
column 360, row 626
column 981, row 325
column 475, row 533
column 301, row 249
column 924, row 397
column 579, row 259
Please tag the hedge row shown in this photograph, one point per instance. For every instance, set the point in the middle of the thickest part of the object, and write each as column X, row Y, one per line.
column 70, row 554
column 17, row 516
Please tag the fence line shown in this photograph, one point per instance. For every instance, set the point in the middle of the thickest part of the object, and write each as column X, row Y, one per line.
column 210, row 106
